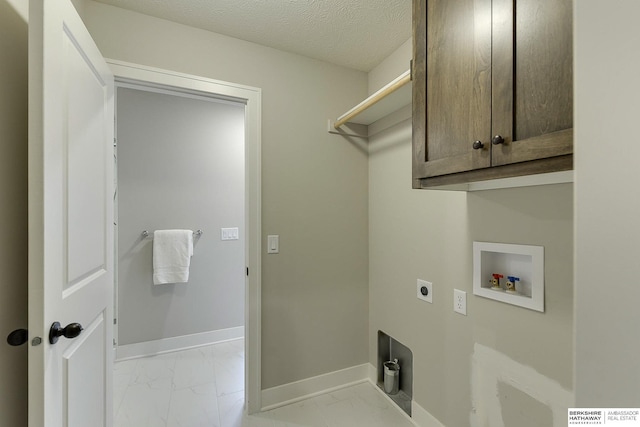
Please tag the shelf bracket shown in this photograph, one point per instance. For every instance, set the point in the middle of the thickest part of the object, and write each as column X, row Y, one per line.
column 353, row 130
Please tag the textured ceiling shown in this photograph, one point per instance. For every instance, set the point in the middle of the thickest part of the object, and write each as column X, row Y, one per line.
column 357, row 34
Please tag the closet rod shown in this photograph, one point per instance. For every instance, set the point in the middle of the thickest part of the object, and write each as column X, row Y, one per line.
column 391, row 87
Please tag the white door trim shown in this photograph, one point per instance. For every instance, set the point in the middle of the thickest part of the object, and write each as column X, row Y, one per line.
column 124, row 71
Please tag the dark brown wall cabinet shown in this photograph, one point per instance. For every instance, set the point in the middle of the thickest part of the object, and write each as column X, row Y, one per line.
column 492, row 89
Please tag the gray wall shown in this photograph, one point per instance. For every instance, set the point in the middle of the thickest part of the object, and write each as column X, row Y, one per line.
column 607, row 204
column 428, row 234
column 13, row 213
column 180, row 165
column 314, row 185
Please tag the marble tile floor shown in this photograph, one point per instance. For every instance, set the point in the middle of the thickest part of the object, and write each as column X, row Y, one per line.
column 204, row 387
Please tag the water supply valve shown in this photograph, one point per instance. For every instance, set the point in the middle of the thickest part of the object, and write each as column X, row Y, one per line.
column 511, row 284
column 495, row 282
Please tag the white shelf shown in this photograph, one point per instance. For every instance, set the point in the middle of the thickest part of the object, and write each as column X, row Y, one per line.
column 521, row 261
column 389, row 99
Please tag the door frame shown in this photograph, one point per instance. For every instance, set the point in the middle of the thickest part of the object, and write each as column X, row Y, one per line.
column 252, row 97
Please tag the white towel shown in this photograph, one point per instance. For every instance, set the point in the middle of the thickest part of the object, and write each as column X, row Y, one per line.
column 172, row 251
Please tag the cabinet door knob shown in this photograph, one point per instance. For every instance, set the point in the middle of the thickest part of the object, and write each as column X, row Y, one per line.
column 497, row 140
column 477, row 145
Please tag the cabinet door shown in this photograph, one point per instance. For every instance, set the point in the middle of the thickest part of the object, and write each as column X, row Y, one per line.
column 452, row 64
column 532, row 80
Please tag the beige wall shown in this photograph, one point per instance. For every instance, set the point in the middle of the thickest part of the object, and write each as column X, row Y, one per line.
column 607, row 204
column 314, row 185
column 394, row 65
column 428, row 234
column 13, row 213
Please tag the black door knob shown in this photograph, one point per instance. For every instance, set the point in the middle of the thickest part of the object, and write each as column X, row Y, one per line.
column 72, row 330
column 477, row 145
column 497, row 140
column 18, row 337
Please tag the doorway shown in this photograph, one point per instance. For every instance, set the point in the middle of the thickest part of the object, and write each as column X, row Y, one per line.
column 154, row 87
column 180, row 165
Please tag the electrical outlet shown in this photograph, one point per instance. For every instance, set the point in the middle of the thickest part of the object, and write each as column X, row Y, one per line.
column 460, row 301
column 425, row 291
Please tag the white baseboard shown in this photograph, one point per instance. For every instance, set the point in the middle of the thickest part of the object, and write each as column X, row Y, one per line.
column 286, row 394
column 166, row 345
column 419, row 416
column 422, row 418
column 373, row 374
column 296, row 391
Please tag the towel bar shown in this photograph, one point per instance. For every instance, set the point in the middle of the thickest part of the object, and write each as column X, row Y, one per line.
column 196, row 233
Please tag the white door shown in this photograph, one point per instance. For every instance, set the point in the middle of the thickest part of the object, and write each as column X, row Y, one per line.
column 70, row 220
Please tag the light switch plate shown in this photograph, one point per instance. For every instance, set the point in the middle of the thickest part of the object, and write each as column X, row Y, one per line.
column 273, row 244
column 422, row 284
column 229, row 233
